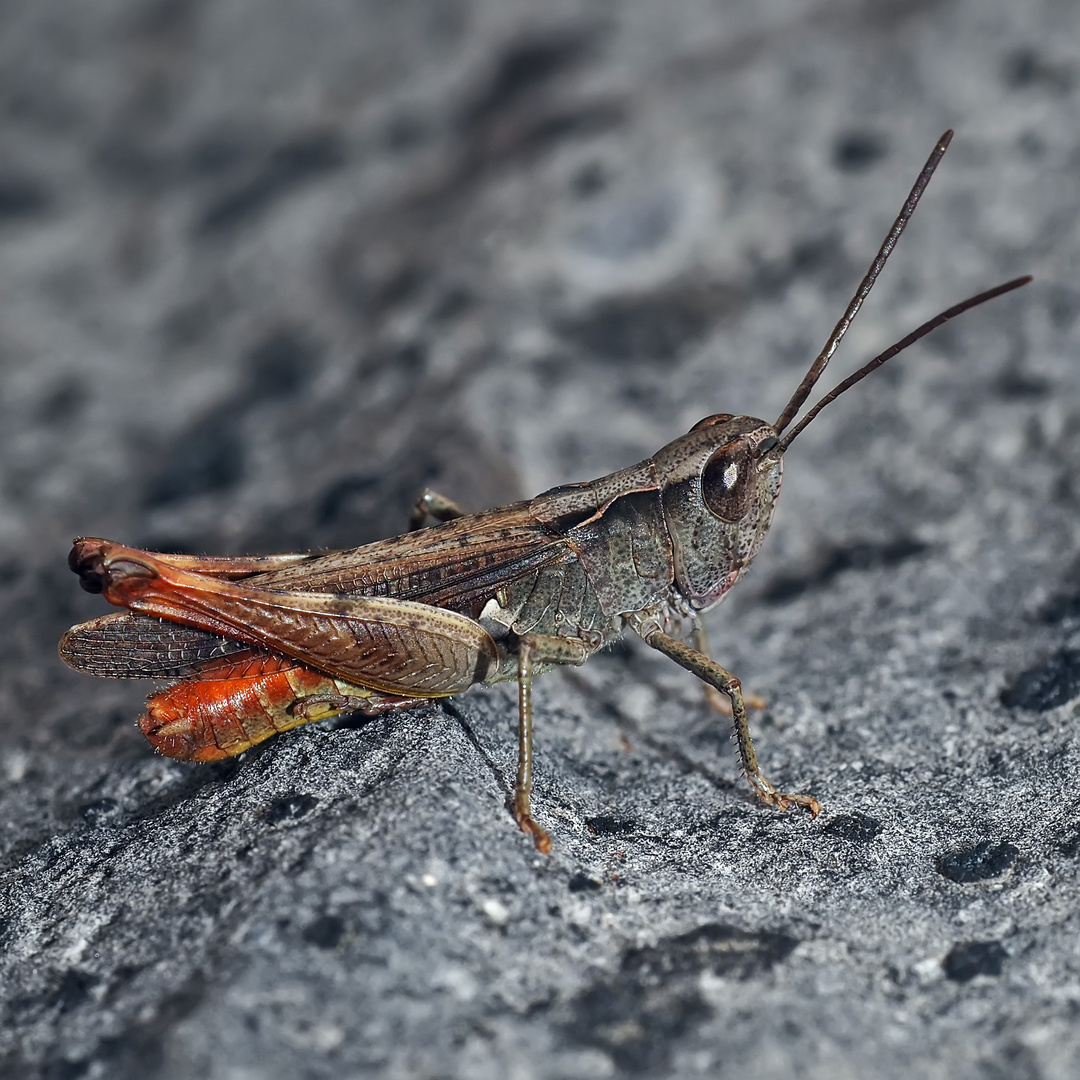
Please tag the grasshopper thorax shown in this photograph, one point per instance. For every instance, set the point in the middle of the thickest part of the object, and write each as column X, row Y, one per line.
column 718, row 487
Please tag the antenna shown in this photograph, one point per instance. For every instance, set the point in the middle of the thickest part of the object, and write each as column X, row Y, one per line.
column 899, row 347
column 841, row 328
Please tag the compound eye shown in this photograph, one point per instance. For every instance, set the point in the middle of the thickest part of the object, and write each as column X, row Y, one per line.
column 727, row 482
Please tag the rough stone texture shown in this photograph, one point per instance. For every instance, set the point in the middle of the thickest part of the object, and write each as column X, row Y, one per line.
column 266, row 269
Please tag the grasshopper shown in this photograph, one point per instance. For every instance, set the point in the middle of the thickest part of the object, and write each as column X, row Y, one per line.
column 261, row 645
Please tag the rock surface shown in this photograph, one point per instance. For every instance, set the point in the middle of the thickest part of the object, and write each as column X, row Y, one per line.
column 267, row 270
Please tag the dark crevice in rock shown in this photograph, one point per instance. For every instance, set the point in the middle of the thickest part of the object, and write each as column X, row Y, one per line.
column 641, row 1015
column 983, row 862
column 967, row 959
column 1048, row 684
column 287, row 168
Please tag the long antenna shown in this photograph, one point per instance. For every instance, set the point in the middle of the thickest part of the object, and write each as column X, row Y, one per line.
column 818, row 366
column 899, row 347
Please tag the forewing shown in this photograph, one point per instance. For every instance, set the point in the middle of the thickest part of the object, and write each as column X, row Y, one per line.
column 457, row 565
column 395, row 646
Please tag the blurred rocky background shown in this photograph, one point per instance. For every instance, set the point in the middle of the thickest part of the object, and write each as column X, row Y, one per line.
column 268, row 268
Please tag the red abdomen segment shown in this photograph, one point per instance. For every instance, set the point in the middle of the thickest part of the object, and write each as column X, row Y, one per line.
column 210, row 718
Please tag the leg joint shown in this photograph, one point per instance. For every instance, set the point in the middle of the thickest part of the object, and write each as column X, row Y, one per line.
column 730, row 684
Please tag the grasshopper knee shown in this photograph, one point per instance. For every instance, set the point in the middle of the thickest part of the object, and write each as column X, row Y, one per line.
column 435, row 506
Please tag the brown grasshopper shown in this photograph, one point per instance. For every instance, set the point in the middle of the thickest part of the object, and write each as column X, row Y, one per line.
column 261, row 645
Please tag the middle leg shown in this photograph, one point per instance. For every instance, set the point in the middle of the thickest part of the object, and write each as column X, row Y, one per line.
column 433, row 505
column 538, row 649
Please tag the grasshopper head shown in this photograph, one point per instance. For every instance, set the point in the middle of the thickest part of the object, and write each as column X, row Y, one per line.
column 719, row 484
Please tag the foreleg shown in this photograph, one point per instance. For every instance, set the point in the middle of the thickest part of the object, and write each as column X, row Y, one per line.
column 713, row 698
column 722, row 680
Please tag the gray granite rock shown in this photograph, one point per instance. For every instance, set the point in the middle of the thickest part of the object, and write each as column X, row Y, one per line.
column 268, row 269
